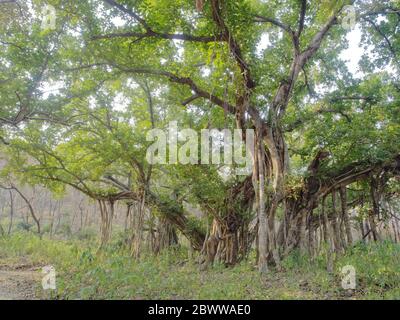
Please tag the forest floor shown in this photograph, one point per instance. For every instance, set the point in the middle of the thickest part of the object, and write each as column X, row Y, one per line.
column 82, row 272
column 18, row 281
column 21, row 281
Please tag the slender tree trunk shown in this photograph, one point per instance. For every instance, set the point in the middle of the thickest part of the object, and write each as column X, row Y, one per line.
column 81, row 214
column 343, row 197
column 87, row 217
column 321, row 238
column 311, row 234
column 342, row 232
column 368, row 233
column 375, row 212
column 396, row 221
column 137, row 243
column 302, row 231
column 52, row 217
column 329, row 236
column 325, row 222
column 212, row 249
column 2, row 232
column 262, row 214
column 127, row 216
column 106, row 214
column 1, row 214
column 11, row 212
column 335, row 226
column 32, row 212
column 362, row 230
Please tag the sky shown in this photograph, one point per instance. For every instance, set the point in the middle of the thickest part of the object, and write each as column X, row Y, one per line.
column 351, row 55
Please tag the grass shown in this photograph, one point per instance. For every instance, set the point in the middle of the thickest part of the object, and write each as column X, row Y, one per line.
column 84, row 274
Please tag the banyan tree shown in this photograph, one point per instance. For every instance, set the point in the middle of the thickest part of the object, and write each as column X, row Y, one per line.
column 326, row 156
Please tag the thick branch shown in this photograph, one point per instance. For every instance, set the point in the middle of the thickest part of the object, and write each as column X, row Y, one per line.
column 302, row 17
column 233, row 45
column 284, row 27
column 282, row 96
column 185, row 81
column 168, row 36
column 150, row 32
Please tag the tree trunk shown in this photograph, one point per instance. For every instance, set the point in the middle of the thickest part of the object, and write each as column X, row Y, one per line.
column 397, row 227
column 329, row 236
column 375, row 212
column 127, row 216
column 138, row 237
column 11, row 212
column 311, row 237
column 32, row 212
column 166, row 235
column 346, row 219
column 262, row 213
column 335, row 226
column 362, row 230
column 302, row 232
column 2, row 232
column 106, row 214
column 342, row 232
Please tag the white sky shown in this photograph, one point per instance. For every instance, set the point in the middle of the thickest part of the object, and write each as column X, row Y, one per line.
column 351, row 55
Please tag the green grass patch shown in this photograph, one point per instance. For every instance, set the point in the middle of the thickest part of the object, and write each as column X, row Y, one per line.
column 84, row 273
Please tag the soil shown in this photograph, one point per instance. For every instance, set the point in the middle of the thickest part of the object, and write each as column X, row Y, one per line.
column 19, row 282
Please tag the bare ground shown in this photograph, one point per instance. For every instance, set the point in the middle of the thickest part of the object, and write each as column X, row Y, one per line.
column 18, row 282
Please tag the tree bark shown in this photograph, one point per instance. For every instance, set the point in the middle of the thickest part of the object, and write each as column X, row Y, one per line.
column 346, row 219
column 302, row 231
column 166, row 235
column 329, row 236
column 362, row 229
column 106, row 214
column 32, row 212
column 137, row 241
column 335, row 226
column 375, row 208
column 11, row 212
column 262, row 213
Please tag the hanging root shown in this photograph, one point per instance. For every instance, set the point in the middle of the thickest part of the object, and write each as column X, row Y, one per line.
column 208, row 252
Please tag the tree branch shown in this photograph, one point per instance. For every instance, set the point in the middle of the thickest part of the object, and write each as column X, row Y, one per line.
column 150, row 32
column 167, row 36
column 233, row 45
column 184, row 81
column 284, row 27
column 282, row 96
column 385, row 38
column 302, row 17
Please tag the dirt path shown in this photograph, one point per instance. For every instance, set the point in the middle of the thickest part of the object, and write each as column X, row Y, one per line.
column 18, row 282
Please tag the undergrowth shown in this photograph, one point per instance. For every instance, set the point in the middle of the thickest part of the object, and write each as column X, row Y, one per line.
column 85, row 273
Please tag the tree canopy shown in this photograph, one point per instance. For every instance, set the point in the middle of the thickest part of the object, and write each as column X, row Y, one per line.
column 77, row 102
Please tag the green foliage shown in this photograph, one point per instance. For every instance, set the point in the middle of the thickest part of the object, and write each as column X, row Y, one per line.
column 93, row 126
column 377, row 266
